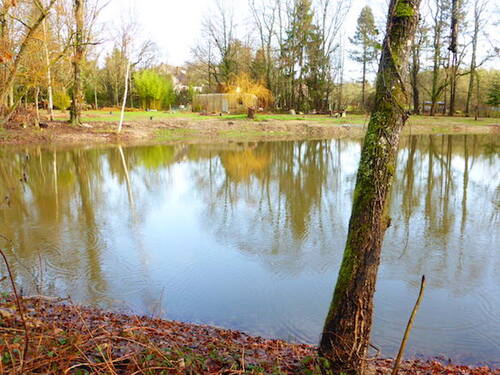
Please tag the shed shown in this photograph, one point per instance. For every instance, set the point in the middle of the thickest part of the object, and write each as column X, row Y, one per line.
column 440, row 106
column 224, row 103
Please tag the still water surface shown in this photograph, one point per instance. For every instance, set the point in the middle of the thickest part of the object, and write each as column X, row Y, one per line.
column 250, row 236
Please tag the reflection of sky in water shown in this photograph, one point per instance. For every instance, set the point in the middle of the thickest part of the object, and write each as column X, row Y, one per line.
column 251, row 238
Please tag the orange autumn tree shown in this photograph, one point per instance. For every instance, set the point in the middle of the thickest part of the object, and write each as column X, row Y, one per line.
column 244, row 85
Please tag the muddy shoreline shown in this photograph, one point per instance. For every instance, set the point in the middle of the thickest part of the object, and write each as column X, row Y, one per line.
column 208, row 131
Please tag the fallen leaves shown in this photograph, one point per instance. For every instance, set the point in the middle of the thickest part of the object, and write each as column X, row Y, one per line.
column 68, row 339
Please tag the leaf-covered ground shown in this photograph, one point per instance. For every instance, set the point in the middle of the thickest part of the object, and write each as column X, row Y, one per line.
column 69, row 339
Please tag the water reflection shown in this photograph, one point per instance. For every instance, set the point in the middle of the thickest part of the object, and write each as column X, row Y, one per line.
column 250, row 236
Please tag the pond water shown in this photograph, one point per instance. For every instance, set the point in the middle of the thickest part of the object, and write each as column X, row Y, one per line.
column 250, row 236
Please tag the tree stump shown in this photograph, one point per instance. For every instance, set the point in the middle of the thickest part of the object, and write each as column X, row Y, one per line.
column 251, row 113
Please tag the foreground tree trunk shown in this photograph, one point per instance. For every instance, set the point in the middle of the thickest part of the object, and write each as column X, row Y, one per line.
column 346, row 333
column 76, row 94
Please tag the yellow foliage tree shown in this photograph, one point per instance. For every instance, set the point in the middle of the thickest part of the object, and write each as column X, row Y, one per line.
column 244, row 85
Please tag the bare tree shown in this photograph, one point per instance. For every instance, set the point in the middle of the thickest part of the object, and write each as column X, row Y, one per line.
column 134, row 53
column 265, row 18
column 479, row 23
column 332, row 14
column 439, row 12
column 419, row 42
column 457, row 23
column 219, row 29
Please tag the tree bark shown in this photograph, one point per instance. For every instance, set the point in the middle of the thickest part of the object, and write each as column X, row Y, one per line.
column 76, row 95
column 346, row 333
column 415, row 69
column 363, row 86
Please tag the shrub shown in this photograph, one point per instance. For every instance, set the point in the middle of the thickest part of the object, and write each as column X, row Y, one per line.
column 62, row 100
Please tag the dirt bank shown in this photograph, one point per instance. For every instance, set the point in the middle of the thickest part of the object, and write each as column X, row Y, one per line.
column 211, row 130
column 68, row 339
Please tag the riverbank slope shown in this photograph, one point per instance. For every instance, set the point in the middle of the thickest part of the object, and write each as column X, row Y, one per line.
column 166, row 128
column 67, row 339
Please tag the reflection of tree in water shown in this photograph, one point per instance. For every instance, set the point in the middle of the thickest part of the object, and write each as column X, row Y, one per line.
column 441, row 239
column 269, row 207
column 286, row 203
column 270, row 211
column 241, row 165
column 51, row 200
column 54, row 200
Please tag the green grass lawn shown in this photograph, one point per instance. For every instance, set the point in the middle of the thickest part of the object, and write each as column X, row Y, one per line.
column 352, row 119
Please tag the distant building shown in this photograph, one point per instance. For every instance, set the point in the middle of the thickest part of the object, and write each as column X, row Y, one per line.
column 440, row 107
column 179, row 78
column 224, row 103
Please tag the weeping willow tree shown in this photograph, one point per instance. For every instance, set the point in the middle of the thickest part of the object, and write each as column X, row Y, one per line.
column 346, row 334
column 245, row 87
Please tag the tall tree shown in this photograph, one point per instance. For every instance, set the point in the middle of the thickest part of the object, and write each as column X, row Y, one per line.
column 365, row 38
column 50, row 104
column 299, row 36
column 219, row 29
column 14, row 55
column 346, row 333
column 78, row 55
column 457, row 24
column 265, row 19
column 479, row 8
column 439, row 14
column 419, row 42
column 318, row 70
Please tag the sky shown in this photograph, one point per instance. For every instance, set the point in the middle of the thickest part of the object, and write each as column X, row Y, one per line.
column 175, row 25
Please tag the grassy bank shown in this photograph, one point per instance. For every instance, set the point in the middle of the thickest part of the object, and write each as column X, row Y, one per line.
column 68, row 339
column 351, row 119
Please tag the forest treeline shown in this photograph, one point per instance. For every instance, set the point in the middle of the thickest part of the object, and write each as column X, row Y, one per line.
column 295, row 53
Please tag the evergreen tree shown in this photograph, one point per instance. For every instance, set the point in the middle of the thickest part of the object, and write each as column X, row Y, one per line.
column 494, row 93
column 299, row 36
column 365, row 38
column 318, row 72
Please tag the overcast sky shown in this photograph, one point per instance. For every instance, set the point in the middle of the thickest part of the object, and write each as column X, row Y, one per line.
column 175, row 25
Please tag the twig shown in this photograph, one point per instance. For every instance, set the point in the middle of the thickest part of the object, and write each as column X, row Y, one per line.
column 18, row 303
column 376, row 348
column 409, row 327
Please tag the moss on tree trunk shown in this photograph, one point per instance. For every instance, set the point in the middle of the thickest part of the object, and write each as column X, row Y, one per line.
column 346, row 333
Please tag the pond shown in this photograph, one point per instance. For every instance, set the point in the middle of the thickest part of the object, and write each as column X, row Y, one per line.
column 249, row 236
